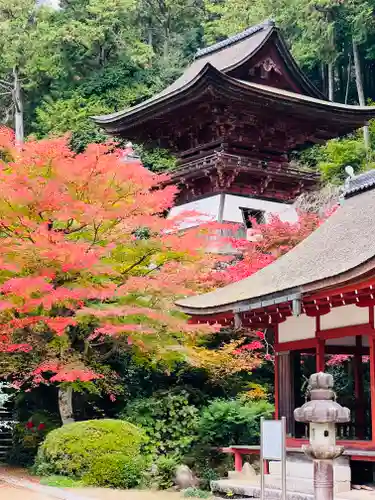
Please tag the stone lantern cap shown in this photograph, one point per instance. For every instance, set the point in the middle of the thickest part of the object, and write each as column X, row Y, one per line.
column 321, row 408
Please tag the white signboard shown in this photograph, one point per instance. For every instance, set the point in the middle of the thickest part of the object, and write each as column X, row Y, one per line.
column 272, row 447
column 272, row 439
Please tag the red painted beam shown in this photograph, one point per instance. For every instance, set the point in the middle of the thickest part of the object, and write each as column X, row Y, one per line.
column 349, row 444
column 346, row 331
column 344, row 289
column 296, row 345
column 362, row 458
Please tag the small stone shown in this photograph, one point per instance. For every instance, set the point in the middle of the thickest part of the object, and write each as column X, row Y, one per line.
column 184, row 477
column 248, row 471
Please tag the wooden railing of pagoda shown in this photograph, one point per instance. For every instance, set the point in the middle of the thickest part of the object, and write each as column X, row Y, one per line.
column 248, row 163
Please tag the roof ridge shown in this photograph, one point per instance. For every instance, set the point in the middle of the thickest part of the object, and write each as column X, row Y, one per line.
column 235, row 38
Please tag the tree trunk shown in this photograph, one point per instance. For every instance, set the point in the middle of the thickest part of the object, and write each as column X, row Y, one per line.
column 360, row 92
column 330, row 82
column 18, row 108
column 150, row 36
column 340, row 73
column 349, row 71
column 324, row 78
column 66, row 405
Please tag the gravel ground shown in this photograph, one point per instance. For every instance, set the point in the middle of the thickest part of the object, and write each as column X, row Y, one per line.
column 12, row 493
column 104, row 494
column 20, row 488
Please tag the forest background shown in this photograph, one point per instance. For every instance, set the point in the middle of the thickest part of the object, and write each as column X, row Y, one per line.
column 61, row 64
column 87, row 57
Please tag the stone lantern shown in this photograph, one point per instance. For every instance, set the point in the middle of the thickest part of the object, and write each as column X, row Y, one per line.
column 322, row 414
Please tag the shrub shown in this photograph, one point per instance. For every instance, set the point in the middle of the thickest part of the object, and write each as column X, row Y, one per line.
column 196, row 493
column 27, row 436
column 168, row 419
column 208, row 464
column 61, row 482
column 117, row 471
column 74, row 448
column 165, row 466
column 237, row 421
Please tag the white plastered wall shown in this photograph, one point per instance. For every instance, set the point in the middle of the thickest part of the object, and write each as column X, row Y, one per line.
column 297, row 328
column 209, row 208
column 344, row 316
column 232, row 212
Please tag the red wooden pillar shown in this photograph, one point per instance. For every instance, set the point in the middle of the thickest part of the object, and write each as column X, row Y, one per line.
column 276, row 374
column 320, row 361
column 237, row 461
column 276, row 385
column 371, row 340
column 358, row 389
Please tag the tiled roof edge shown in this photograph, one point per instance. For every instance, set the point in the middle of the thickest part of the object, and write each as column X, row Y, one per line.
column 360, row 183
column 234, row 38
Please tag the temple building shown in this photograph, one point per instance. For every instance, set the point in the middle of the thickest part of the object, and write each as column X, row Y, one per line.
column 232, row 119
column 317, row 300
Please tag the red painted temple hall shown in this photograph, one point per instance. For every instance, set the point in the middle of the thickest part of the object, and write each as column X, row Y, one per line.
column 319, row 298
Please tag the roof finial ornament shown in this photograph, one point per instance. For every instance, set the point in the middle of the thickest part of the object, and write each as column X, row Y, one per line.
column 350, row 171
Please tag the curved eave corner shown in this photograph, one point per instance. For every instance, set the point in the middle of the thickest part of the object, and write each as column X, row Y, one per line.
column 208, row 71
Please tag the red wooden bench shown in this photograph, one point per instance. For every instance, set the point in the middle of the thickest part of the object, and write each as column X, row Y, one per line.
column 239, row 451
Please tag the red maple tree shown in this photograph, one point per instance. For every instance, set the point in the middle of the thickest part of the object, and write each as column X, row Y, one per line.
column 89, row 265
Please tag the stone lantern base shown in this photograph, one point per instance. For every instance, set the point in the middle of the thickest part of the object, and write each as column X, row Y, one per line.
column 300, row 473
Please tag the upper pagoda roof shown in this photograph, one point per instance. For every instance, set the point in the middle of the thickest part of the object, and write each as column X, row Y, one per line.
column 220, row 70
column 227, row 56
column 341, row 250
column 343, row 118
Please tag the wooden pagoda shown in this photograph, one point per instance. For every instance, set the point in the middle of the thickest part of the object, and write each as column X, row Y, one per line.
column 233, row 118
column 318, row 299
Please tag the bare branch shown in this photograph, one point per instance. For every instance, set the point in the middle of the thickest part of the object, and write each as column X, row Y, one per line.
column 139, row 261
column 6, row 84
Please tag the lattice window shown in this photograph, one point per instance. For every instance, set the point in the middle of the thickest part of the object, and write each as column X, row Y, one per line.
column 250, row 214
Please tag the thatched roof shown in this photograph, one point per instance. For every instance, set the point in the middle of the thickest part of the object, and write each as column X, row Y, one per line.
column 341, row 249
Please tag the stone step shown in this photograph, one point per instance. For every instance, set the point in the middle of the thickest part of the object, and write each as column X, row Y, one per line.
column 240, row 476
column 305, row 470
column 225, row 488
column 298, row 484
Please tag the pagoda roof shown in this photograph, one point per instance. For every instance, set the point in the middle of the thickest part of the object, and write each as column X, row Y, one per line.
column 225, row 56
column 344, row 117
column 340, row 251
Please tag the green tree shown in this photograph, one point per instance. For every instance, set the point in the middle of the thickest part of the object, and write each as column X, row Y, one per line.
column 27, row 59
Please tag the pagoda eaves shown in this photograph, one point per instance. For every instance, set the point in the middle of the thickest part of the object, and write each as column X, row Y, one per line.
column 233, row 118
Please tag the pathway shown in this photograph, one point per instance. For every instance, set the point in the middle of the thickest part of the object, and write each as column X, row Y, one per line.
column 19, row 488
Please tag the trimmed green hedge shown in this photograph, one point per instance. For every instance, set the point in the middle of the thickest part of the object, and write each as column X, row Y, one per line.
column 74, row 449
column 117, row 471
